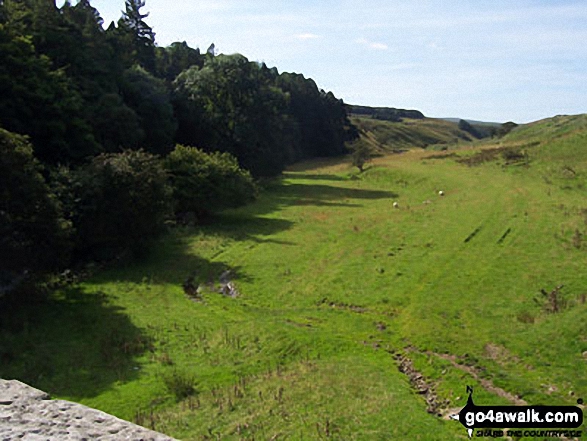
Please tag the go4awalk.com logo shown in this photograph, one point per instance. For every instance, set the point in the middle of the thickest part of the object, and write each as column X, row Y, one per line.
column 545, row 421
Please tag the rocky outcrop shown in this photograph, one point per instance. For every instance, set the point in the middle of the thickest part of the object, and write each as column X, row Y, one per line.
column 30, row 414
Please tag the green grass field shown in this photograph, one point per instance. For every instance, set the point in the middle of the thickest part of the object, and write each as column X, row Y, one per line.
column 337, row 290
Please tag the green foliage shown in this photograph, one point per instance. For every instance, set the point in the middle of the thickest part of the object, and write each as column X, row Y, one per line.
column 123, row 201
column 79, row 91
column 149, row 99
column 240, row 112
column 321, row 123
column 117, row 126
column 33, row 233
column 265, row 119
column 135, row 40
column 205, row 183
column 83, row 90
column 506, row 128
column 40, row 102
column 361, row 153
column 176, row 58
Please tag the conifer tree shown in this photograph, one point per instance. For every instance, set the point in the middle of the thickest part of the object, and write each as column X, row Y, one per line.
column 138, row 35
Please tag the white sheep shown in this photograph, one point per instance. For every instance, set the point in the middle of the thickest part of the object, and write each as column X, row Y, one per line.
column 441, row 193
column 395, row 205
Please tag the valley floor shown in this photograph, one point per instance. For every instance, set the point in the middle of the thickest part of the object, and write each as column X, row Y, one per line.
column 354, row 319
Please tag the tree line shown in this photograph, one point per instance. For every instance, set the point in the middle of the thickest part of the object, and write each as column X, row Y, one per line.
column 104, row 135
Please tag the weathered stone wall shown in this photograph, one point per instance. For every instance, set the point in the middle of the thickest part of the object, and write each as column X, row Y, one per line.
column 30, row 414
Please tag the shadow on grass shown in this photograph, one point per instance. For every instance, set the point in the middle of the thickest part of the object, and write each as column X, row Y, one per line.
column 175, row 258
column 78, row 344
column 247, row 226
column 172, row 260
column 73, row 344
column 318, row 163
column 320, row 194
column 314, row 177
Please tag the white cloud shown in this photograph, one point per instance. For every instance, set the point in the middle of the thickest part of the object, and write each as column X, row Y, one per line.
column 372, row 44
column 379, row 46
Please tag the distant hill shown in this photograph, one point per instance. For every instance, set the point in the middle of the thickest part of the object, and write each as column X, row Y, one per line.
column 472, row 121
column 386, row 136
column 384, row 113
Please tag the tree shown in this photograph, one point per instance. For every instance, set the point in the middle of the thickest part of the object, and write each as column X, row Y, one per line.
column 361, row 153
column 148, row 97
column 116, row 125
column 34, row 237
column 231, row 105
column 506, row 128
column 204, row 183
column 135, row 38
column 89, row 58
column 41, row 102
column 321, row 121
column 176, row 58
column 123, row 201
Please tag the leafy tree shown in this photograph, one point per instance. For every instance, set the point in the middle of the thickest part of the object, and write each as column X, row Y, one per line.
column 361, row 153
column 117, row 126
column 90, row 59
column 123, row 201
column 176, row 58
column 41, row 102
column 150, row 100
column 235, row 108
column 506, row 128
column 204, row 183
column 33, row 233
column 321, row 121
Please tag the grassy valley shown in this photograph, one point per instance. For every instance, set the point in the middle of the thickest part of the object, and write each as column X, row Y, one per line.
column 353, row 319
column 386, row 136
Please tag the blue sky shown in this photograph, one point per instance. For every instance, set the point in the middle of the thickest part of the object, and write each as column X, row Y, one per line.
column 488, row 60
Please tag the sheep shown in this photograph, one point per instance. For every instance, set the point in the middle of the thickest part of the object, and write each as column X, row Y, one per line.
column 441, row 193
column 395, row 205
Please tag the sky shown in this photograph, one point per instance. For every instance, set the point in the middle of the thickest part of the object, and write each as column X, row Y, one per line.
column 497, row 60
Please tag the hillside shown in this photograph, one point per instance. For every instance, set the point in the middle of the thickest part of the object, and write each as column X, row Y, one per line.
column 557, row 141
column 383, row 113
column 473, row 121
column 386, row 136
column 352, row 319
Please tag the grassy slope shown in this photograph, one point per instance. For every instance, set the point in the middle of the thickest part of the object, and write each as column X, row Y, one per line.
column 387, row 136
column 333, row 279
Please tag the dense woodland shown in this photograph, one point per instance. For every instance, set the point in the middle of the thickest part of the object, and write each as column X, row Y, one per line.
column 105, row 136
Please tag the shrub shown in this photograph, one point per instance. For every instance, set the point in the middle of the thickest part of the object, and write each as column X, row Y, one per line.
column 204, row 183
column 33, row 233
column 122, row 203
column 361, row 153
